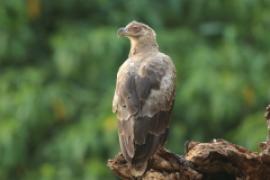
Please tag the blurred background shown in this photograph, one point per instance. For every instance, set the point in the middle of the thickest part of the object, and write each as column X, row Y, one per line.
column 58, row 64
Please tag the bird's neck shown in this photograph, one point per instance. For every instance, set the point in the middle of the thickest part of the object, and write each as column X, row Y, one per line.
column 140, row 47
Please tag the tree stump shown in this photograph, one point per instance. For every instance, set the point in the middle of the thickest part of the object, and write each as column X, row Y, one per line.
column 215, row 160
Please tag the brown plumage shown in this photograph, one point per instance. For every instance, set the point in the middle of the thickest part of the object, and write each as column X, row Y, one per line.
column 144, row 96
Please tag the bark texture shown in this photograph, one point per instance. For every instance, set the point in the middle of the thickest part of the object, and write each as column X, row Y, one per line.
column 215, row 160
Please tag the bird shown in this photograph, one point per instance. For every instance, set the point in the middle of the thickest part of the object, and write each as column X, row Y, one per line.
column 144, row 97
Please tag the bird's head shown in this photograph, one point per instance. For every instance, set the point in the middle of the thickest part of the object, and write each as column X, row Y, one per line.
column 137, row 31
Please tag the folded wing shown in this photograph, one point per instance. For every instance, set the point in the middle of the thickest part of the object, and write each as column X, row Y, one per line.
column 143, row 102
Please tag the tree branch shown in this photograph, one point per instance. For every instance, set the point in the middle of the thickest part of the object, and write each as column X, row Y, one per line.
column 218, row 159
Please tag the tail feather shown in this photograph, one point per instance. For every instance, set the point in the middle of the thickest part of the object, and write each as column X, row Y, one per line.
column 138, row 169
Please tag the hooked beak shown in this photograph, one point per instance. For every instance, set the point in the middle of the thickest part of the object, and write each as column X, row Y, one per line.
column 122, row 31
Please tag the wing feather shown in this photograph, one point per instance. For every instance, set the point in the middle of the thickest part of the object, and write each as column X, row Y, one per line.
column 144, row 104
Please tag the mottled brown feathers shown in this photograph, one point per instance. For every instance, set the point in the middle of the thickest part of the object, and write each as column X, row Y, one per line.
column 143, row 99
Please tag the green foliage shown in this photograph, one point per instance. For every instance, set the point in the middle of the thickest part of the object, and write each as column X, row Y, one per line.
column 58, row 64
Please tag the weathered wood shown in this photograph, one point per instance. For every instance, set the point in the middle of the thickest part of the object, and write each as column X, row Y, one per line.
column 163, row 165
column 224, row 158
column 218, row 159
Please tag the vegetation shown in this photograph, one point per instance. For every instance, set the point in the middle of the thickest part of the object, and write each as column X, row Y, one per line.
column 58, row 64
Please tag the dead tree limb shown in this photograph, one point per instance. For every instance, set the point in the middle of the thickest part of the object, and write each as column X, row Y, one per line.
column 218, row 159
